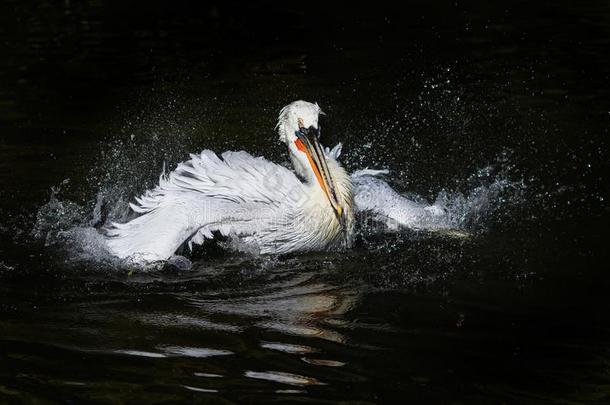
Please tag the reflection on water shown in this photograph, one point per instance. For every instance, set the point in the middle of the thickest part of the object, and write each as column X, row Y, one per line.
column 231, row 334
column 287, row 348
column 200, row 389
column 276, row 319
column 283, row 378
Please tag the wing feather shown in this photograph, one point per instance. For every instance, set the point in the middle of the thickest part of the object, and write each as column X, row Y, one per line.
column 375, row 197
column 234, row 194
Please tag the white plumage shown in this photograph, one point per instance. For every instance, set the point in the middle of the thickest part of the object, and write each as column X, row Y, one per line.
column 261, row 205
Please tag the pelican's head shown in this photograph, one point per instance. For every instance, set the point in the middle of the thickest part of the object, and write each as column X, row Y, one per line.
column 299, row 129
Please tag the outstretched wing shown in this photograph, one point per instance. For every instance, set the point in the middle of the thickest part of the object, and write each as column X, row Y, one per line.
column 231, row 194
column 375, row 197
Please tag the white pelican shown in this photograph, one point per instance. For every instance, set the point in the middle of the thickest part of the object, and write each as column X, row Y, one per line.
column 259, row 204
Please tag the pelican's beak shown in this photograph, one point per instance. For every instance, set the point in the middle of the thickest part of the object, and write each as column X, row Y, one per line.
column 307, row 141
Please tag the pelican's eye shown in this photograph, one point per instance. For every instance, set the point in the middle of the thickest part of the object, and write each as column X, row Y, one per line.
column 308, row 131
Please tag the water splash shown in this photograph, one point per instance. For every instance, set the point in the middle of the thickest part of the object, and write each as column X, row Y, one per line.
column 70, row 226
column 454, row 213
column 157, row 130
column 79, row 228
column 491, row 192
column 129, row 163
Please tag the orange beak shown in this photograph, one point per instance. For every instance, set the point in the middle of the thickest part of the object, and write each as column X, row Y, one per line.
column 307, row 142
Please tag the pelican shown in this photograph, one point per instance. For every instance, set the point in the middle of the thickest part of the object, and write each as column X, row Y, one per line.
column 261, row 205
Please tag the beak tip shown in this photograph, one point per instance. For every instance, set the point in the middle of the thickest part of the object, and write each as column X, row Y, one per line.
column 340, row 217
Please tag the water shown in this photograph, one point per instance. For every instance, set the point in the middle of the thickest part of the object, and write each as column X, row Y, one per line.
column 499, row 113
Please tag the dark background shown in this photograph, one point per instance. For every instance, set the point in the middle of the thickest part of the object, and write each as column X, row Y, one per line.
column 80, row 52
column 540, row 65
column 454, row 97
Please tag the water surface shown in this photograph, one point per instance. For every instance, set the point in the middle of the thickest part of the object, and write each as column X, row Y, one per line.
column 500, row 111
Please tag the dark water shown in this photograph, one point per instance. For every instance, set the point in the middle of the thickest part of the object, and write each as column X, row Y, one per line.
column 502, row 109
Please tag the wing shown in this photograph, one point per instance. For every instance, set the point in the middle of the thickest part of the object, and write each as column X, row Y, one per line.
column 232, row 194
column 374, row 197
